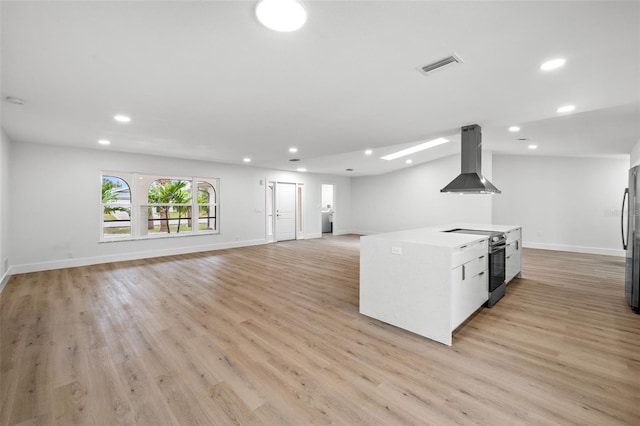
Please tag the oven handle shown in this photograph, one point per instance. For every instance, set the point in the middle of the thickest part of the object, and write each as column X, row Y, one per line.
column 497, row 248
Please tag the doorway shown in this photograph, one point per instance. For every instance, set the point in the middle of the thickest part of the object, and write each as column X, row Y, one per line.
column 328, row 208
column 285, row 211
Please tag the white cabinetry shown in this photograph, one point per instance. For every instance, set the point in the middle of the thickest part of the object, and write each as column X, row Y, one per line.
column 469, row 289
column 423, row 281
column 513, row 254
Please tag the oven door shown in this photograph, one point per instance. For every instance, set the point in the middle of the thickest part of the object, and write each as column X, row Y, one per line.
column 497, row 266
column 497, row 273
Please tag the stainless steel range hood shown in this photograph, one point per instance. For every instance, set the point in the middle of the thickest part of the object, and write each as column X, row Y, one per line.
column 471, row 181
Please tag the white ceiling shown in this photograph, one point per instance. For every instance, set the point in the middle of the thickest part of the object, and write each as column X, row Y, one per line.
column 205, row 80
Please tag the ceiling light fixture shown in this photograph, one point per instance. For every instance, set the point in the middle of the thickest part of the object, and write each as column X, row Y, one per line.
column 281, row 15
column 368, row 152
column 533, row 146
column 121, row 118
column 566, row 108
column 301, row 169
column 414, row 149
column 514, row 129
column 104, row 142
column 293, row 150
column 409, row 161
column 552, row 64
column 246, row 159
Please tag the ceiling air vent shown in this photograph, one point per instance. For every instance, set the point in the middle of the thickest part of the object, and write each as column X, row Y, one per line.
column 428, row 69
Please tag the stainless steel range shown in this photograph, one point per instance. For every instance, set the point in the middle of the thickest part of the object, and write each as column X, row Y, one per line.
column 497, row 261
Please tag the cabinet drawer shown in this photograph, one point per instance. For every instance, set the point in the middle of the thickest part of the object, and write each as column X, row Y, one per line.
column 513, row 247
column 513, row 235
column 475, row 266
column 469, row 252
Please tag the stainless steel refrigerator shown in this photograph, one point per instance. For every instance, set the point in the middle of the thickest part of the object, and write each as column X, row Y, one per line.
column 631, row 239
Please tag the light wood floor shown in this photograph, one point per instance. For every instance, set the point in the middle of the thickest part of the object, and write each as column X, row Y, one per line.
column 272, row 335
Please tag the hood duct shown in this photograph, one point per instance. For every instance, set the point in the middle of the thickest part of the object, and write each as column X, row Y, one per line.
column 470, row 180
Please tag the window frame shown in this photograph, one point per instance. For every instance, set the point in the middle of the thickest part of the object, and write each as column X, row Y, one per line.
column 103, row 206
column 139, row 185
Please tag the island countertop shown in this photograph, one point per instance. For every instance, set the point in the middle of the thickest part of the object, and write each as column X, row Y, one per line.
column 432, row 236
column 426, row 280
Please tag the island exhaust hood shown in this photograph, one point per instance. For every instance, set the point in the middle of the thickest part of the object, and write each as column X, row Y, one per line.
column 470, row 180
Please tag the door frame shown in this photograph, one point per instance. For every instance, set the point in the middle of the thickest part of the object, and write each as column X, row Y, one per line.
column 299, row 211
column 334, row 206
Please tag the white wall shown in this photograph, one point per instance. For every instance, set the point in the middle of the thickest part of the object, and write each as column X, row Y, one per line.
column 54, row 201
column 562, row 203
column 327, row 195
column 4, row 206
column 635, row 155
column 411, row 198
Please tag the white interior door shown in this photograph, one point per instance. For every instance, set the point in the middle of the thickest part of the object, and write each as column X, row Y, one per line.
column 285, row 211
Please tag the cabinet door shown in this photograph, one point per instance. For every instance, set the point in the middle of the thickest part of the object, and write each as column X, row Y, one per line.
column 513, row 260
column 469, row 290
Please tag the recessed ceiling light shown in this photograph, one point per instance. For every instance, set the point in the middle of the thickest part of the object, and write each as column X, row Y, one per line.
column 14, row 100
column 246, row 159
column 281, row 15
column 121, row 118
column 301, row 169
column 368, row 152
column 533, row 146
column 104, row 142
column 409, row 161
column 416, row 148
column 293, row 150
column 552, row 64
column 514, row 129
column 566, row 108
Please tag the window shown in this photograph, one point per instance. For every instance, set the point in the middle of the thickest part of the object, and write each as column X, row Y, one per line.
column 116, row 207
column 156, row 206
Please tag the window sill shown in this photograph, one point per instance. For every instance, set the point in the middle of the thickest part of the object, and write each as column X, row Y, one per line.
column 158, row 236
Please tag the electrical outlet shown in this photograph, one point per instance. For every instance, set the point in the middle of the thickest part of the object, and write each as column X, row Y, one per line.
column 396, row 250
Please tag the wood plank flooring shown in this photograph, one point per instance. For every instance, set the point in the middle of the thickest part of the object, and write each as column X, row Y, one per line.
column 272, row 335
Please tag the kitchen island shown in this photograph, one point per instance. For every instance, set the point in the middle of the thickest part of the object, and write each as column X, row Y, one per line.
column 428, row 281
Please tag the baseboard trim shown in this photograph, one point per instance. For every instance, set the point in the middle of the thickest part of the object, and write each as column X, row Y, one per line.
column 575, row 249
column 5, row 279
column 85, row 261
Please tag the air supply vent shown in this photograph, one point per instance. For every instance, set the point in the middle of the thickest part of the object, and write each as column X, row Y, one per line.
column 442, row 63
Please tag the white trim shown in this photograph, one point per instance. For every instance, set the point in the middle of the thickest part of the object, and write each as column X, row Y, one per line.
column 5, row 279
column 312, row 236
column 85, row 261
column 575, row 249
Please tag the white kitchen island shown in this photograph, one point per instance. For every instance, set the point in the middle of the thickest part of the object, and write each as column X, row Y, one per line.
column 425, row 280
